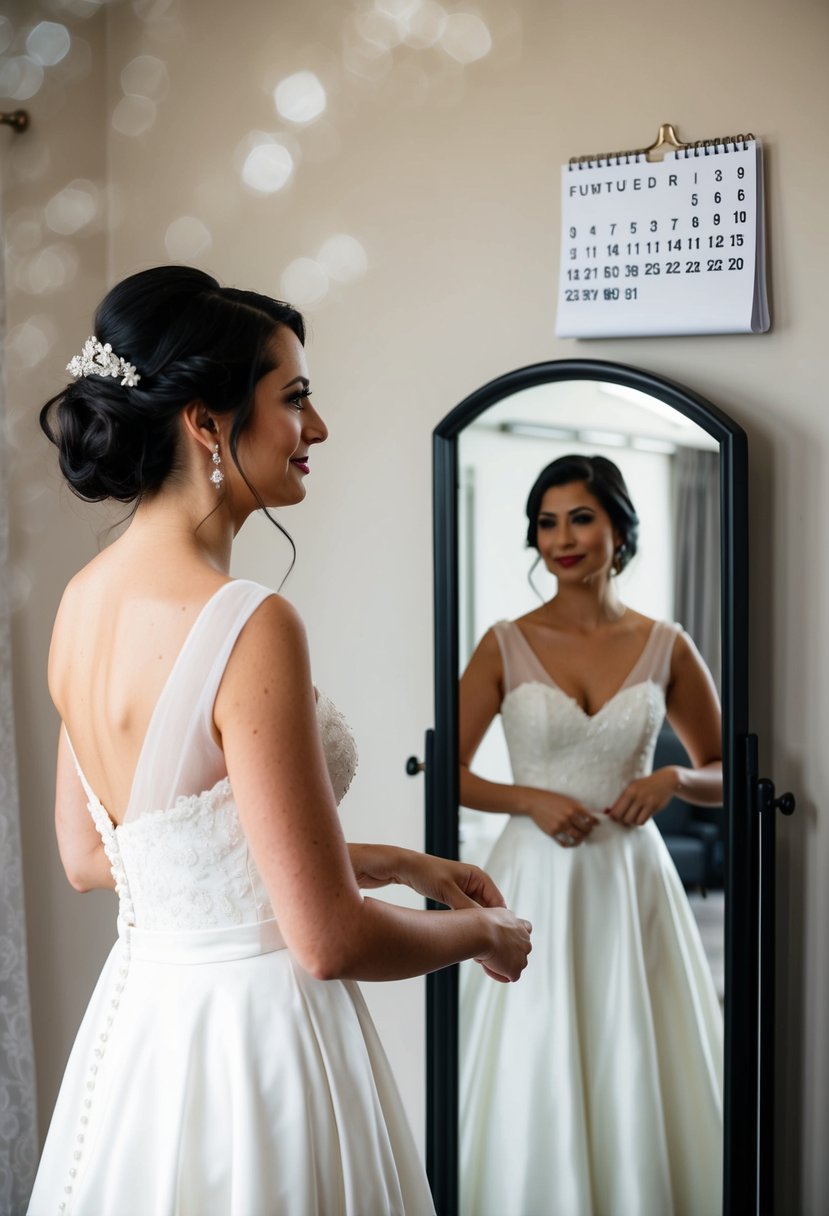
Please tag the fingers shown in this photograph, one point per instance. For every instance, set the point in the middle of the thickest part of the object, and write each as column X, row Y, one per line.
column 483, row 890
column 577, row 828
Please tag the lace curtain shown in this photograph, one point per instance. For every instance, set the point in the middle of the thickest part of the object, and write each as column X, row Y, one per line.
column 18, row 1122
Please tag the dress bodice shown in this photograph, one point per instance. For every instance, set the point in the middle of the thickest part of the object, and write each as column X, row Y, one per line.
column 181, row 860
column 554, row 744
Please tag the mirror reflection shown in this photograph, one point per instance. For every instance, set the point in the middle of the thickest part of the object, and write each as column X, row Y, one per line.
column 591, row 784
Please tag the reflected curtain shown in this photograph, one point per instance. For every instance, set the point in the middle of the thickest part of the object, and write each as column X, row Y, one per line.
column 696, row 493
column 18, row 1116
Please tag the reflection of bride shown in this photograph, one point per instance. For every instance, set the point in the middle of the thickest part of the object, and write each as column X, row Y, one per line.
column 594, row 1086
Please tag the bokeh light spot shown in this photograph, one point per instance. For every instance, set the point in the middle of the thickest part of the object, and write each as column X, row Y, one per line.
column 187, row 238
column 145, row 76
column 466, row 37
column 343, row 258
column 48, row 43
column 133, row 115
column 30, row 342
column 425, row 25
column 20, row 77
column 267, row 167
column 48, row 270
column 300, row 98
column 6, row 34
column 303, row 283
column 73, row 207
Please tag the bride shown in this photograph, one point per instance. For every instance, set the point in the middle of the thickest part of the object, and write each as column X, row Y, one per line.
column 595, row 1088
column 226, row 1063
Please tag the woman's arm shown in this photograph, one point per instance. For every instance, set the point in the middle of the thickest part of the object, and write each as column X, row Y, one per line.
column 481, row 693
column 454, row 883
column 694, row 713
column 81, row 849
column 266, row 716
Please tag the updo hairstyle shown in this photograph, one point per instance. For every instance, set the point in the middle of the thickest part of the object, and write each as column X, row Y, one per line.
column 604, row 481
column 189, row 339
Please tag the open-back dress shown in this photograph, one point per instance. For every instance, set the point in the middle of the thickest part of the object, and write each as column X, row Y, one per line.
column 211, row 1075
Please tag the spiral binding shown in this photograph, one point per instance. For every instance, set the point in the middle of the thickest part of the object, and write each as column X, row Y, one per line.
column 698, row 147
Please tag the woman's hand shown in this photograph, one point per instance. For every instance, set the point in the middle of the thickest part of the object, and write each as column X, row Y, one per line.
column 640, row 800
column 511, row 946
column 454, row 883
column 562, row 818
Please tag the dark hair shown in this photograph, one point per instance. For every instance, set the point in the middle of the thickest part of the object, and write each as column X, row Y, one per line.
column 604, row 481
column 189, row 339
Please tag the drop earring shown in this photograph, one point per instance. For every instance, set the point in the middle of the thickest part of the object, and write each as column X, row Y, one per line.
column 217, row 476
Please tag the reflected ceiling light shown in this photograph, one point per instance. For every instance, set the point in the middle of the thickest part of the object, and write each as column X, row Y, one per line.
column 304, row 283
column 133, row 115
column 267, row 168
column 666, row 412
column 187, row 238
column 466, row 37
column 607, row 439
column 641, row 443
column 48, row 43
column 145, row 76
column 300, row 98
column 533, row 430
column 72, row 208
column 343, row 258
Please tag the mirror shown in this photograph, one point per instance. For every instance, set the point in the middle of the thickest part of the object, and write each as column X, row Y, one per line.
column 609, row 1077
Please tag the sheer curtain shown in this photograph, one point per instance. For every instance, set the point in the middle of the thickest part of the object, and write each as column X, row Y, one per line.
column 697, row 549
column 18, row 1121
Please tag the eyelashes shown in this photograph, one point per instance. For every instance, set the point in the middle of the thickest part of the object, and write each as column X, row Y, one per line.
column 545, row 523
column 297, row 399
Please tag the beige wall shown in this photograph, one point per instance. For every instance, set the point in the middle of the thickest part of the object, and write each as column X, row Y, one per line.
column 54, row 280
column 449, row 178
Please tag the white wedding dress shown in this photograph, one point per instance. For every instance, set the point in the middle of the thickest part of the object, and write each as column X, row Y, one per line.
column 593, row 1087
column 211, row 1075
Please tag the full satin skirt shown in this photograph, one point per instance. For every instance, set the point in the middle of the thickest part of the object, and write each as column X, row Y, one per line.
column 593, row 1086
column 206, row 1084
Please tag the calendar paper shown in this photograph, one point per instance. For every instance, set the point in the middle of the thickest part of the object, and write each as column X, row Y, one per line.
column 673, row 247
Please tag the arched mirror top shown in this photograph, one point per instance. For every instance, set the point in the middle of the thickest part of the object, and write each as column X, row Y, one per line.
column 635, row 386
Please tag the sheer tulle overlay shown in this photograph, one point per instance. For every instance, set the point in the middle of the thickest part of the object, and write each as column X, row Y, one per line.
column 593, row 1087
column 211, row 1075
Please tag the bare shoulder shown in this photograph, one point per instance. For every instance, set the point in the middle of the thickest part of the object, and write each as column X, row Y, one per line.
column 272, row 644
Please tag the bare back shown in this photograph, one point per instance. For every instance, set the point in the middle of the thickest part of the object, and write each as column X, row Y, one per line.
column 115, row 641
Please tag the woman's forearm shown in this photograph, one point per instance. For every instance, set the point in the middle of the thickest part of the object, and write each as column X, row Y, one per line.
column 394, row 943
column 700, row 786
column 481, row 795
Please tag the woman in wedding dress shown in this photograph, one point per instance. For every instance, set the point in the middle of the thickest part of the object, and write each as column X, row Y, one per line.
column 594, row 1088
column 226, row 1064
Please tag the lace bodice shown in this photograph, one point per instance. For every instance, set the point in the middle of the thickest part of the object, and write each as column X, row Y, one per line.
column 554, row 744
column 188, row 865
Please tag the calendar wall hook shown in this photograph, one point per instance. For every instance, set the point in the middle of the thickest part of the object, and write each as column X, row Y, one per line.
column 666, row 141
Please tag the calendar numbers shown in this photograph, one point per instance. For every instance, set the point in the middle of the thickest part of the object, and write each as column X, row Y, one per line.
column 657, row 237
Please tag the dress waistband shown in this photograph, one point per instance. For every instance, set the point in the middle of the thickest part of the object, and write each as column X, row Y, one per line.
column 201, row 945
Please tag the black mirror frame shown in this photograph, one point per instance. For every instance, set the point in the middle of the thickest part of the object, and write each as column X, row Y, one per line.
column 742, row 1177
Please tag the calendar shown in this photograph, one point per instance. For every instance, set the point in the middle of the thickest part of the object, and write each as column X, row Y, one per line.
column 669, row 247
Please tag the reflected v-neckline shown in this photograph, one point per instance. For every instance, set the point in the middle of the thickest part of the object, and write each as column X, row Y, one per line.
column 185, row 646
column 626, row 682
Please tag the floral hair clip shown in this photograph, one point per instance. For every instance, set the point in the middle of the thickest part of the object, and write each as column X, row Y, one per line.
column 97, row 359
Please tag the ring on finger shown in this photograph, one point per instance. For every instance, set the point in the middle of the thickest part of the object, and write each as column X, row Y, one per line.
column 564, row 838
